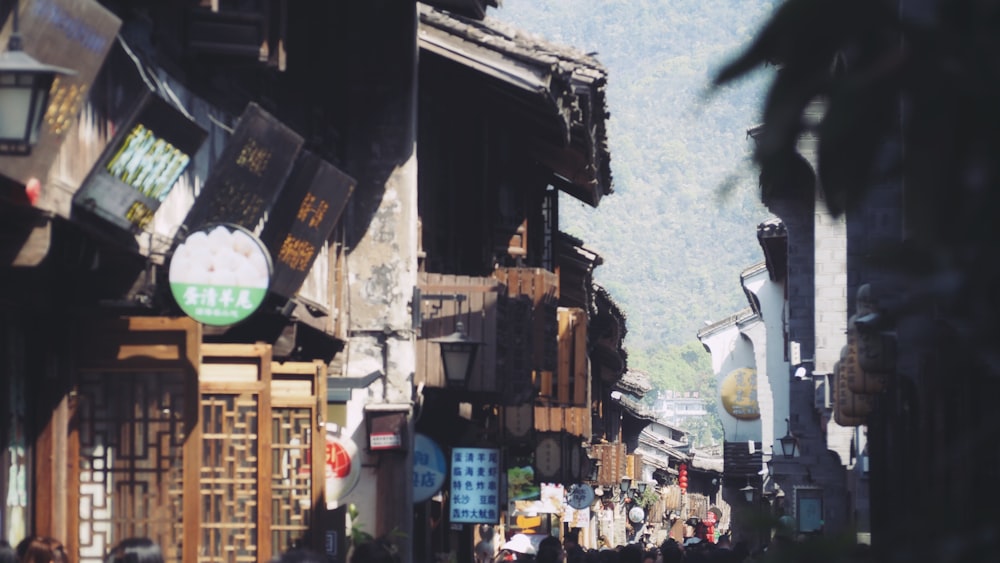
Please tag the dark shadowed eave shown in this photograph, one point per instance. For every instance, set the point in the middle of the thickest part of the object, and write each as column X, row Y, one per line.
column 606, row 337
column 576, row 271
column 560, row 90
column 475, row 9
column 773, row 238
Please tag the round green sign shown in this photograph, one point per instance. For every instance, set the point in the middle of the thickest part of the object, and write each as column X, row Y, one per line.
column 220, row 274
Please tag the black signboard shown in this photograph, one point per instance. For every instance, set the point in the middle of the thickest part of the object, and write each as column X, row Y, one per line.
column 245, row 181
column 141, row 164
column 301, row 222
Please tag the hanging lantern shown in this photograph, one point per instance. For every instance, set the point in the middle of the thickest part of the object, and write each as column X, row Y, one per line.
column 849, row 408
column 859, row 380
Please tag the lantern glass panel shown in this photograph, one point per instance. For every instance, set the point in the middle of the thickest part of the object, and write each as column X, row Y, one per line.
column 457, row 359
column 626, row 483
column 15, row 105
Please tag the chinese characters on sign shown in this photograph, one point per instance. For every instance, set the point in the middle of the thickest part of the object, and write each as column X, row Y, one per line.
column 739, row 394
column 141, row 164
column 219, row 276
column 429, row 468
column 303, row 218
column 245, row 181
column 75, row 34
column 475, row 480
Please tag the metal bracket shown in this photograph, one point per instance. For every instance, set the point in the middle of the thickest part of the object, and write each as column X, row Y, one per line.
column 419, row 297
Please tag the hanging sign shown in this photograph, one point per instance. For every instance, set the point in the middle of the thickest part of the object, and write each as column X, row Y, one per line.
column 429, row 468
column 636, row 514
column 343, row 467
column 311, row 202
column 249, row 174
column 219, row 275
column 580, row 496
column 739, row 394
column 475, row 479
column 553, row 496
column 140, row 165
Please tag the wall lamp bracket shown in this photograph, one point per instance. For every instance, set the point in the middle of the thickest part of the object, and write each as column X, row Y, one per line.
column 419, row 297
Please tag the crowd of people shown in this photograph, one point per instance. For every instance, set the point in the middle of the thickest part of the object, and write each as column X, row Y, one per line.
column 551, row 550
column 40, row 549
column 144, row 550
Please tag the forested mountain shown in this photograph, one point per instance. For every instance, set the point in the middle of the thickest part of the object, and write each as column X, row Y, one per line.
column 680, row 226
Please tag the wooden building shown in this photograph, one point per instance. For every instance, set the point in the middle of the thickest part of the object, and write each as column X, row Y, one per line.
column 302, row 125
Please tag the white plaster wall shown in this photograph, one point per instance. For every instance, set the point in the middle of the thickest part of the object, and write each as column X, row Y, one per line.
column 365, row 489
column 771, row 297
column 830, row 304
column 731, row 350
column 755, row 337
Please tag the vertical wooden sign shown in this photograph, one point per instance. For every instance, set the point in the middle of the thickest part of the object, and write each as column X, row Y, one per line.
column 249, row 174
column 311, row 202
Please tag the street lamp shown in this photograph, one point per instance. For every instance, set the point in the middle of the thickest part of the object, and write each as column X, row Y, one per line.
column 457, row 355
column 642, row 487
column 789, row 442
column 626, row 483
column 24, row 95
column 748, row 493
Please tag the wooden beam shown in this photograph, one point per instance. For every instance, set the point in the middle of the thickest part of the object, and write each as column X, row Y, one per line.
column 565, row 366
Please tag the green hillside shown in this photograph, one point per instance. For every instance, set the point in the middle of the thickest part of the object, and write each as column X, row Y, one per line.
column 680, row 226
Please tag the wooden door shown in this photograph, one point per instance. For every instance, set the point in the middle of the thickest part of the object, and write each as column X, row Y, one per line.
column 132, row 437
column 259, row 494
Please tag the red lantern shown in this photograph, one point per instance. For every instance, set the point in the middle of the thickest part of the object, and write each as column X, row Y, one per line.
column 682, row 476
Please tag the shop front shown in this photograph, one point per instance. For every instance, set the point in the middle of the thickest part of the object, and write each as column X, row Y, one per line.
column 145, row 431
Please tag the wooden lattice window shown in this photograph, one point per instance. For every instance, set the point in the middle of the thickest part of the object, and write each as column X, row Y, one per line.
column 291, row 479
column 258, row 489
column 228, row 484
column 205, row 449
column 131, row 474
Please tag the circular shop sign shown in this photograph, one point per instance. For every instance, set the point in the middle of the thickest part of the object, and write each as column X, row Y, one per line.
column 580, row 496
column 738, row 392
column 219, row 275
column 429, row 468
column 343, row 468
column 636, row 514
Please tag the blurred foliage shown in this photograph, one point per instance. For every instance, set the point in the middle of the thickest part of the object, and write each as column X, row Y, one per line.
column 908, row 92
column 910, row 95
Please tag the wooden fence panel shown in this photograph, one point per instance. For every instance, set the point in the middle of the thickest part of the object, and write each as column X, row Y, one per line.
column 440, row 311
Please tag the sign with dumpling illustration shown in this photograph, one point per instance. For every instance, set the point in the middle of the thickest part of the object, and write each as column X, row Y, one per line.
column 219, row 274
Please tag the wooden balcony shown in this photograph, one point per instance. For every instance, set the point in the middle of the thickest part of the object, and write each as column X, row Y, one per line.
column 533, row 351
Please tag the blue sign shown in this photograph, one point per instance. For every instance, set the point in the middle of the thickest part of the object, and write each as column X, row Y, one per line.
column 475, row 481
column 429, row 468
